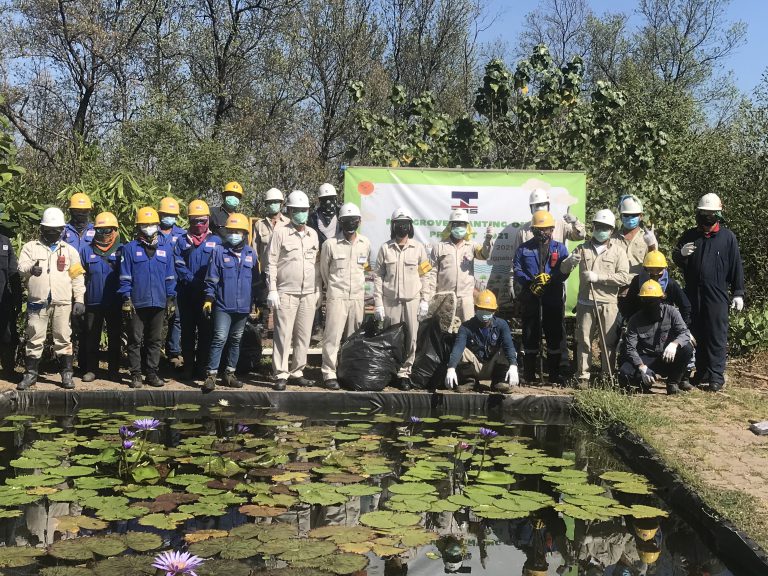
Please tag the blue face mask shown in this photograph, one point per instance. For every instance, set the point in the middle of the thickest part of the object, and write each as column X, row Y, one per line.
column 232, row 201
column 483, row 315
column 234, row 238
column 273, row 208
column 459, row 232
column 630, row 222
column 168, row 221
column 601, row 235
column 300, row 218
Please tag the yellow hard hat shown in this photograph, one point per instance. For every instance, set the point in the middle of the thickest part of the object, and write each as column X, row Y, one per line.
column 654, row 259
column 646, row 528
column 233, row 187
column 651, row 289
column 238, row 221
column 80, row 201
column 198, row 208
column 486, row 300
column 106, row 220
column 169, row 205
column 147, row 215
column 542, row 219
column 648, row 556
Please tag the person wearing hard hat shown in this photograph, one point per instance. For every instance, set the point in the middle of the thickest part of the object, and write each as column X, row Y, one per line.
column 636, row 239
column 148, row 293
column 55, row 290
column 169, row 236
column 192, row 255
column 537, row 271
column 264, row 227
column 229, row 287
column 403, row 285
column 483, row 350
column 292, row 276
column 101, row 261
column 79, row 229
column 232, row 195
column 11, row 297
column 603, row 272
column 325, row 218
column 343, row 262
column 453, row 259
column 709, row 258
column 657, row 343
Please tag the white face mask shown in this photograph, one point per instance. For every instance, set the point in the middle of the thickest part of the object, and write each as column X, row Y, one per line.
column 149, row 230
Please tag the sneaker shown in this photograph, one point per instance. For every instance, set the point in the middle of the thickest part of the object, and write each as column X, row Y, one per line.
column 280, row 385
column 231, row 381
column 136, row 381
column 88, row 377
column 331, row 384
column 154, row 380
column 210, row 383
column 404, row 384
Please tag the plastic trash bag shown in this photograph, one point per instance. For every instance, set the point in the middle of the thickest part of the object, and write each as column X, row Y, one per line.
column 369, row 359
column 432, row 353
column 250, row 349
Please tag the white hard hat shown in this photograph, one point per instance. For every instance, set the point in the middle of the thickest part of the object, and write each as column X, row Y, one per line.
column 459, row 215
column 349, row 210
column 630, row 204
column 53, row 217
column 401, row 214
column 538, row 196
column 710, row 201
column 326, row 190
column 273, row 194
column 605, row 216
column 297, row 199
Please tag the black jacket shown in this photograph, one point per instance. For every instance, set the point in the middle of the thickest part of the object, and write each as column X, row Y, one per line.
column 673, row 293
column 10, row 281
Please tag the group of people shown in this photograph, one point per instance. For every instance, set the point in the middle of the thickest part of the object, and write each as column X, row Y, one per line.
column 201, row 285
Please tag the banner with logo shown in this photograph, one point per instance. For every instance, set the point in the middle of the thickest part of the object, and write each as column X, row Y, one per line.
column 495, row 198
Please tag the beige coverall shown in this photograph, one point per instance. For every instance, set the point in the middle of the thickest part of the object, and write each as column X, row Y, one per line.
column 454, row 265
column 262, row 234
column 342, row 267
column 636, row 249
column 404, row 277
column 613, row 274
column 63, row 283
column 292, row 273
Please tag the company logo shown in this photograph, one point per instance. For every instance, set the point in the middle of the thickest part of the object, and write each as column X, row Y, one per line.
column 465, row 201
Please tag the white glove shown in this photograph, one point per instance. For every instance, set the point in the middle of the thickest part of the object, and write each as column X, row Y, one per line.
column 511, row 376
column 573, row 258
column 378, row 313
column 451, row 381
column 423, row 309
column 648, row 379
column 570, row 218
column 687, row 249
column 737, row 303
column 589, row 276
column 488, row 233
column 650, row 238
column 273, row 300
column 669, row 352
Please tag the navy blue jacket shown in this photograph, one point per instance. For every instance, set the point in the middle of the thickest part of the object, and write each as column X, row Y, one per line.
column 526, row 266
column 71, row 237
column 471, row 336
column 147, row 281
column 173, row 236
column 230, row 280
column 192, row 261
column 102, row 276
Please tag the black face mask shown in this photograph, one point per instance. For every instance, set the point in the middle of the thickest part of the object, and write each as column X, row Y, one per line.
column 328, row 206
column 653, row 309
column 50, row 235
column 706, row 219
column 543, row 236
column 401, row 229
column 79, row 217
column 349, row 226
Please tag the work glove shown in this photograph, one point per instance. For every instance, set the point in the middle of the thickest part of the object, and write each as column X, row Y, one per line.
column 78, row 309
column 648, row 376
column 255, row 314
column 589, row 276
column 511, row 376
column 378, row 313
column 170, row 307
column 669, row 352
column 539, row 283
column 650, row 238
column 207, row 309
column 488, row 234
column 36, row 270
column 687, row 249
column 128, row 310
column 273, row 300
column 451, row 380
column 570, row 218
column 423, row 309
column 737, row 303
column 574, row 259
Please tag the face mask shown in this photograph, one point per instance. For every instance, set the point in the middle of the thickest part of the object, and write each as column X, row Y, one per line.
column 350, row 225
column 706, row 219
column 401, row 229
column 483, row 315
column 653, row 308
column 197, row 227
column 536, row 207
column 328, row 206
column 459, row 232
column 630, row 222
column 168, row 221
column 79, row 217
column 273, row 208
column 148, row 231
column 543, row 236
column 299, row 218
column 50, row 235
column 232, row 201
column 234, row 239
column 601, row 235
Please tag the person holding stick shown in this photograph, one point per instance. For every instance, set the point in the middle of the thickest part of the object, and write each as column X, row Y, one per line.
column 603, row 271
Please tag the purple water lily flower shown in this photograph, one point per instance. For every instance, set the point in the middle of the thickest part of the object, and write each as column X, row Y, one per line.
column 177, row 563
column 242, row 429
column 146, row 424
column 127, row 444
column 126, row 432
column 415, row 420
column 487, row 433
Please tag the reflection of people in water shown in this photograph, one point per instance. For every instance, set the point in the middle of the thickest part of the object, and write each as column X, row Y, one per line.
column 542, row 538
column 453, row 551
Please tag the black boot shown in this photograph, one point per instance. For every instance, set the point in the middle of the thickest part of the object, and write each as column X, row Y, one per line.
column 529, row 368
column 136, row 381
column 231, row 381
column 553, row 369
column 210, row 383
column 65, row 366
column 30, row 374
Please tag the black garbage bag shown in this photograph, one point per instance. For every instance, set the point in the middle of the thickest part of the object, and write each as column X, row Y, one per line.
column 250, row 349
column 432, row 353
column 369, row 359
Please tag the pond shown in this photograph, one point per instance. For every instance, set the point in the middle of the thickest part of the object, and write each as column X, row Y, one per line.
column 259, row 492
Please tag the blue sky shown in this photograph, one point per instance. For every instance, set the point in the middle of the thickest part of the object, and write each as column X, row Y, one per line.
column 747, row 63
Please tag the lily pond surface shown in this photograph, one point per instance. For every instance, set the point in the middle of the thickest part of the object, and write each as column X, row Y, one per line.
column 257, row 492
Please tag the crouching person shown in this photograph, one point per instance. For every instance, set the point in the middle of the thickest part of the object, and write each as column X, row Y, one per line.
column 229, row 284
column 483, row 350
column 657, row 344
column 54, row 278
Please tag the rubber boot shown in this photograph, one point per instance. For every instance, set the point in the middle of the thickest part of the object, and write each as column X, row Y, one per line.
column 553, row 369
column 30, row 374
column 529, row 368
column 65, row 366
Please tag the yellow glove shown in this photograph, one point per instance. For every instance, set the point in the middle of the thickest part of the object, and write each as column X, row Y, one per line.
column 207, row 309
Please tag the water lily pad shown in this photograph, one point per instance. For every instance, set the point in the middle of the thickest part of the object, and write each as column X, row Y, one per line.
column 356, row 547
column 35, row 463
column 641, row 511
column 218, row 567
column 65, row 571
column 343, row 534
column 344, row 563
column 72, row 471
column 261, row 511
column 71, row 495
column 74, row 549
column 187, row 479
column 199, row 509
column 106, row 545
column 412, row 488
column 277, row 531
column 15, row 556
column 142, row 541
column 30, row 481
column 236, row 548
column 631, row 488
column 164, row 521
column 494, row 477
column 384, row 519
column 93, row 483
column 125, row 566
column 145, row 492
column 208, row 548
column 417, row 537
column 75, row 523
column 307, row 549
column 444, row 506
column 619, row 476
